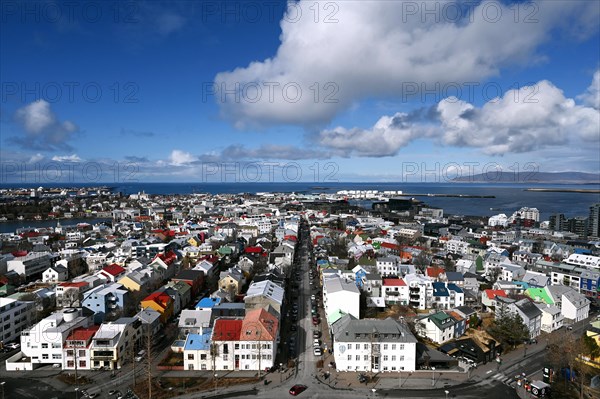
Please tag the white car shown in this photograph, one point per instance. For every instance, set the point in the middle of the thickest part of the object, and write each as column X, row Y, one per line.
column 316, row 343
column 317, row 351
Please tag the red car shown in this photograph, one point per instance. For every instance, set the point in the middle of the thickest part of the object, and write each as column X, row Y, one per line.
column 297, row 389
column 315, row 321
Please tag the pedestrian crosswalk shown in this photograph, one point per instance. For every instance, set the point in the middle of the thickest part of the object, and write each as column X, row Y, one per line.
column 507, row 380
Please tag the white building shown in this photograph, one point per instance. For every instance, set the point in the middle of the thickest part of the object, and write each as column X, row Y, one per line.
column 438, row 327
column 16, row 316
column 114, row 343
column 55, row 274
column 498, row 220
column 420, row 290
column 388, row 266
column 552, row 318
column 30, row 265
column 373, row 345
column 340, row 295
column 44, row 342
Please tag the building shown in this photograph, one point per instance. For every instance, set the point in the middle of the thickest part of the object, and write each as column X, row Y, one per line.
column 105, row 299
column 573, row 305
column 44, row 342
column 395, row 291
column 76, row 352
column 438, row 327
column 161, row 302
column 196, row 351
column 258, row 341
column 388, row 266
column 30, row 266
column 594, row 221
column 264, row 294
column 447, row 296
column 420, row 291
column 373, row 345
column 340, row 295
column 55, row 274
column 69, row 294
column 552, row 318
column 16, row 316
column 225, row 338
column 114, row 343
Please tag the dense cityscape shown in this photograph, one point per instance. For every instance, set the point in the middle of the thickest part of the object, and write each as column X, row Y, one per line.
column 317, row 198
column 172, row 295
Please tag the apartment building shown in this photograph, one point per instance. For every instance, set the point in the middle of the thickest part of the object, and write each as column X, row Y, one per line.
column 15, row 316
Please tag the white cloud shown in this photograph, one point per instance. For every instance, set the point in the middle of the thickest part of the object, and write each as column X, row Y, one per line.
column 523, row 120
column 365, row 59
column 385, row 138
column 36, row 158
column 181, row 158
column 67, row 158
column 591, row 97
column 42, row 128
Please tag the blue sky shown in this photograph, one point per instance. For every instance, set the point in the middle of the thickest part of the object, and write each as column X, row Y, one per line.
column 370, row 90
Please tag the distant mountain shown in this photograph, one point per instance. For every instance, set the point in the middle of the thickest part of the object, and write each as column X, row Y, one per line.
column 532, row 177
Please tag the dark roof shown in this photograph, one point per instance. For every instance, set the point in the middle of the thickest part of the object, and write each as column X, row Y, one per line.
column 528, row 308
column 189, row 274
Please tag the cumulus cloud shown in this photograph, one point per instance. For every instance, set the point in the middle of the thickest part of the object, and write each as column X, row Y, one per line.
column 337, row 64
column 524, row 120
column 181, row 158
column 385, row 138
column 591, row 97
column 42, row 129
column 271, row 151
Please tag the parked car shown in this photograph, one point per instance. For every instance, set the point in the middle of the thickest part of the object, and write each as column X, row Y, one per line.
column 316, row 334
column 317, row 351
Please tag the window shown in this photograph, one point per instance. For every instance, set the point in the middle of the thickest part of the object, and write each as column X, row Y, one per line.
column 82, row 363
column 236, row 346
column 190, row 356
column 70, row 363
column 44, row 346
column 402, row 358
column 349, row 357
column 393, row 358
column 203, row 367
column 357, row 357
column 45, row 356
column 366, row 346
column 366, row 358
column 225, row 357
column 81, row 353
column 349, row 346
column 393, row 347
column 225, row 367
column 70, row 352
column 385, row 358
column 203, row 356
column 385, row 346
column 401, row 347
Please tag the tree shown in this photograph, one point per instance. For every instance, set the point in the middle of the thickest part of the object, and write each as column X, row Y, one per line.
column 449, row 264
column 493, row 275
column 509, row 329
column 421, row 260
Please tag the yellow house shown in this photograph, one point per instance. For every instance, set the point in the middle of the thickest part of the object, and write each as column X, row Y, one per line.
column 131, row 283
column 594, row 333
column 161, row 302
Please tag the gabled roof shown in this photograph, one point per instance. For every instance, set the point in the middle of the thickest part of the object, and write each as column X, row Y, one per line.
column 394, row 282
column 113, row 270
column 491, row 294
column 259, row 325
column 160, row 297
column 227, row 329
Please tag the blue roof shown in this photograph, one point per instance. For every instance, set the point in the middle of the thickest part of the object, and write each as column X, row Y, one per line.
column 197, row 342
column 455, row 288
column 322, row 262
column 582, row 251
column 439, row 289
column 207, row 302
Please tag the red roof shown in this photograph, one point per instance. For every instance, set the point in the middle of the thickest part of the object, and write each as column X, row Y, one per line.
column 434, row 271
column 389, row 245
column 253, row 250
column 159, row 297
column 70, row 284
column 168, row 258
column 18, row 254
column 494, row 293
column 83, row 334
column 227, row 330
column 397, row 282
column 113, row 270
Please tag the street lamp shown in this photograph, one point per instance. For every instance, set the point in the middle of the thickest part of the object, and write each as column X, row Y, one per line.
column 216, row 375
column 433, row 376
column 446, row 392
column 280, row 372
column 76, row 393
column 2, row 385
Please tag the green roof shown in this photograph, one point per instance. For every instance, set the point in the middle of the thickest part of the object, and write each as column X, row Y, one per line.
column 539, row 294
column 335, row 316
column 225, row 250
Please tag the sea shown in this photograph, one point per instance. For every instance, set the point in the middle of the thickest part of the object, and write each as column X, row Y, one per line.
column 507, row 197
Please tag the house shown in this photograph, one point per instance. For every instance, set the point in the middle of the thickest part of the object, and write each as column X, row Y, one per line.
column 105, row 299
column 69, row 294
column 258, row 341
column 590, row 284
column 438, row 327
column 139, row 280
column 161, row 302
column 479, row 349
column 150, row 319
column 111, row 273
column 55, row 274
column 340, row 294
column 263, row 295
column 395, row 291
column 197, row 351
column 184, row 292
column 488, row 297
column 231, row 282
column 420, row 290
column 530, row 314
column 574, row 306
column 76, row 351
column 373, row 345
column 194, row 321
column 225, row 339
column 447, row 296
column 114, row 343
column 193, row 278
column 552, row 318
column 388, row 266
